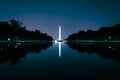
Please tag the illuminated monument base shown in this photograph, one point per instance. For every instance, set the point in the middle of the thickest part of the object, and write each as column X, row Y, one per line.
column 60, row 40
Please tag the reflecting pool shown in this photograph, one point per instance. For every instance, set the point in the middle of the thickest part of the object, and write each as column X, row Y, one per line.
column 59, row 61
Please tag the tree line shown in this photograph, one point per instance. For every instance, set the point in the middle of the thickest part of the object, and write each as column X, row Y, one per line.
column 104, row 33
column 15, row 30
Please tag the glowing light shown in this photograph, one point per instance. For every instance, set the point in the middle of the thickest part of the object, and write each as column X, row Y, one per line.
column 55, row 41
column 8, row 39
column 1, row 49
column 109, row 47
column 109, row 37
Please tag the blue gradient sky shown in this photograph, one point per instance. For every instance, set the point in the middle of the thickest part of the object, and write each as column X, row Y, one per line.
column 72, row 15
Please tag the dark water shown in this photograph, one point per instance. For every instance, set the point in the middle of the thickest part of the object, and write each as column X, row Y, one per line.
column 43, row 61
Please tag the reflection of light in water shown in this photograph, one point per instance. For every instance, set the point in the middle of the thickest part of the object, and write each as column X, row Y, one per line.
column 109, row 47
column 1, row 49
column 113, row 49
column 59, row 49
column 17, row 44
column 8, row 45
column 59, row 45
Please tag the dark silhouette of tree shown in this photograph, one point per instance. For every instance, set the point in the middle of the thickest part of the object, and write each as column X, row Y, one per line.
column 15, row 30
column 104, row 33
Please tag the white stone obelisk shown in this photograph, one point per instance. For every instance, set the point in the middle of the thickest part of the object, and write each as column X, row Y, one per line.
column 59, row 33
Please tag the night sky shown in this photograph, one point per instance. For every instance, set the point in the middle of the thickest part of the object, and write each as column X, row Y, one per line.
column 72, row 15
